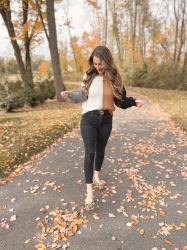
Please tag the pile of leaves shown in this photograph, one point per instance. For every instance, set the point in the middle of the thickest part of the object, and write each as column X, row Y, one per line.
column 56, row 228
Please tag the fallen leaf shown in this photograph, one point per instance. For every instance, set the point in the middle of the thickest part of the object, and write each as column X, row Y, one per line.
column 113, row 238
column 169, row 242
column 40, row 246
column 27, row 241
column 111, row 215
column 13, row 218
column 142, row 231
column 182, row 224
column 95, row 216
column 129, row 224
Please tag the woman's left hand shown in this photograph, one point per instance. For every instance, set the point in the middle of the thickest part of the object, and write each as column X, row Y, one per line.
column 139, row 103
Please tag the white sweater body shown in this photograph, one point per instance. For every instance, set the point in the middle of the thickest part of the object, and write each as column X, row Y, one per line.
column 95, row 96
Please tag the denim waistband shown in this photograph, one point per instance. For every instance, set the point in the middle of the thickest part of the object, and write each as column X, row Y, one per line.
column 101, row 112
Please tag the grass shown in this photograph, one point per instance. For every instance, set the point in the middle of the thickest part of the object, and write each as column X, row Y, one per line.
column 173, row 102
column 30, row 130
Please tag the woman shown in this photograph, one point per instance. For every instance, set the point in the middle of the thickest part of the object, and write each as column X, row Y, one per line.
column 101, row 88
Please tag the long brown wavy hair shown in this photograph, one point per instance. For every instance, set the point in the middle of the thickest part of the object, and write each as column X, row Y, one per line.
column 111, row 72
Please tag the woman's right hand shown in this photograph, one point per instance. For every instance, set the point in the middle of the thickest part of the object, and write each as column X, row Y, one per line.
column 64, row 94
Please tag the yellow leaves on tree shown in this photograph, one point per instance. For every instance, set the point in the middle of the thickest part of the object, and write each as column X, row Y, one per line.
column 90, row 41
column 93, row 3
column 160, row 37
column 83, row 49
column 32, row 4
column 37, row 26
column 24, row 29
column 42, row 68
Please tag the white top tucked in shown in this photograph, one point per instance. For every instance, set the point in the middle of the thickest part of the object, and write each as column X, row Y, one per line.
column 95, row 96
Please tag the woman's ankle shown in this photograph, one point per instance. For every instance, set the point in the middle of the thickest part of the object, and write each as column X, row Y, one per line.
column 89, row 192
column 96, row 175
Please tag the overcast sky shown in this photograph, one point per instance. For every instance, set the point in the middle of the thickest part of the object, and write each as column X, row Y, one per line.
column 78, row 11
column 80, row 14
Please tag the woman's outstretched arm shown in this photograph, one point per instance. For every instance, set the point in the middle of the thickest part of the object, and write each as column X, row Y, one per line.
column 127, row 102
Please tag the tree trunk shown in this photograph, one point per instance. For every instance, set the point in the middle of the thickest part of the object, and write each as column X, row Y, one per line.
column 73, row 49
column 27, row 42
column 58, row 81
column 184, row 68
column 29, row 73
column 174, row 66
column 6, row 15
column 135, row 2
column 116, row 33
column 182, row 33
column 106, row 22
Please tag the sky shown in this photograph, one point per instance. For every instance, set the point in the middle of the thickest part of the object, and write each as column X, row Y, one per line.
column 79, row 13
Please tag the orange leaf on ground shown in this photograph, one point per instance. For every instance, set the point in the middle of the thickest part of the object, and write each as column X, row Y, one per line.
column 142, row 231
column 169, row 242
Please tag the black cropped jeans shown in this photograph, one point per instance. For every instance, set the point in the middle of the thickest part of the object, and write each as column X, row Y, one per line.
column 95, row 128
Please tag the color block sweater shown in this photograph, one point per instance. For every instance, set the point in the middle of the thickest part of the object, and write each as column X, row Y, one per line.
column 100, row 97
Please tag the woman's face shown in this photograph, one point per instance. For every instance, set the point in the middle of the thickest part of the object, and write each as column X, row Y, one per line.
column 98, row 65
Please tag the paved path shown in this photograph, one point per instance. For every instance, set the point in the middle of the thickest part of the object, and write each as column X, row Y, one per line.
column 144, row 206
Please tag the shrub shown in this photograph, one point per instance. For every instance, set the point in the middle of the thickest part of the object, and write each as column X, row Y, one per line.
column 47, row 88
column 160, row 76
column 13, row 95
column 9, row 98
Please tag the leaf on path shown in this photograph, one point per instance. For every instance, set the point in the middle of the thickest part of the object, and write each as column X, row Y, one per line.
column 41, row 226
column 161, row 212
column 184, row 173
column 60, row 225
column 2, row 208
column 13, row 199
column 95, row 216
column 5, row 225
column 34, row 189
column 182, row 224
column 165, row 230
column 125, row 214
column 175, row 196
column 129, row 195
column 129, row 224
column 169, row 242
column 134, row 220
column 113, row 238
column 142, row 231
column 13, row 218
column 54, row 245
column 41, row 246
column 111, row 215
column 120, row 209
column 79, row 181
column 27, row 241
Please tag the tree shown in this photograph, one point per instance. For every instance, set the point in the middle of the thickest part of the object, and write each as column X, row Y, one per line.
column 51, row 35
column 24, row 65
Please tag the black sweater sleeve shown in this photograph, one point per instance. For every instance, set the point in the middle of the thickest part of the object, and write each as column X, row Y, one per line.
column 125, row 102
